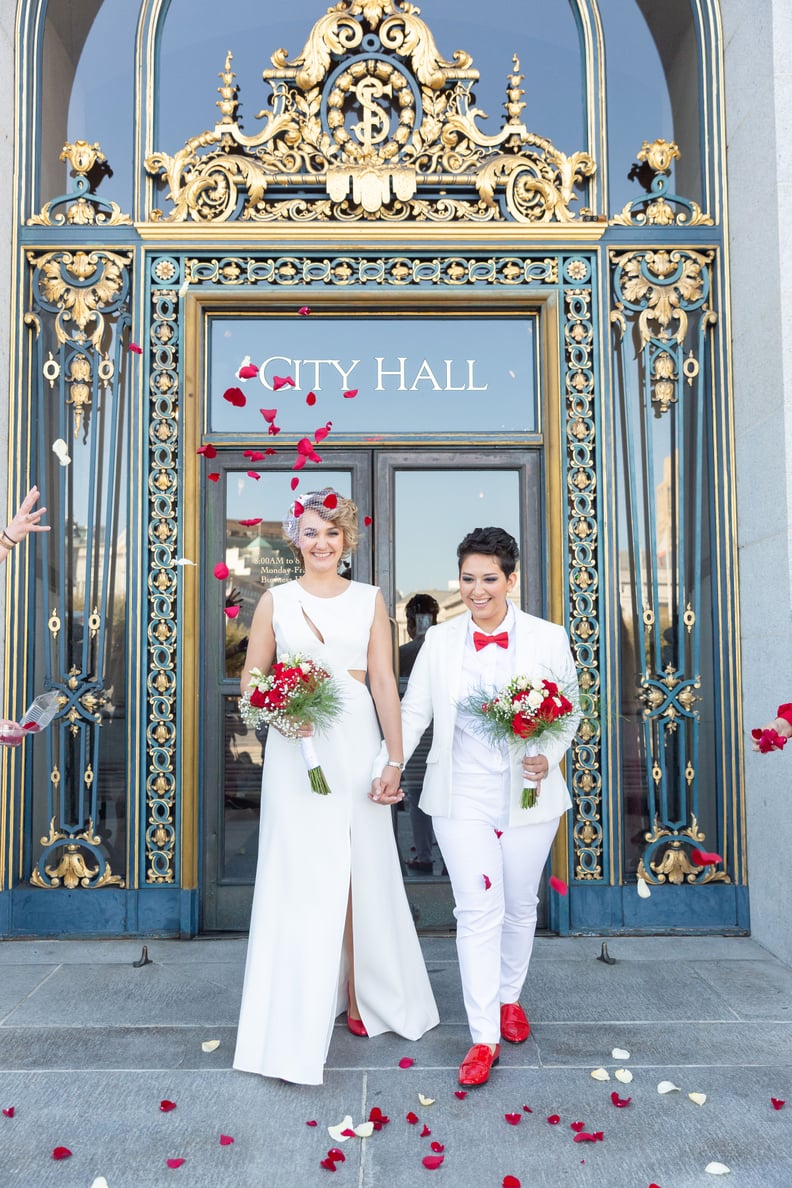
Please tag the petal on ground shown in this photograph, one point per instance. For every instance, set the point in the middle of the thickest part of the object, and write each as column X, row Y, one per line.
column 623, row 1074
column 406, row 1061
column 668, row 1087
column 210, row 1045
column 600, row 1074
column 620, row 1054
column 717, row 1169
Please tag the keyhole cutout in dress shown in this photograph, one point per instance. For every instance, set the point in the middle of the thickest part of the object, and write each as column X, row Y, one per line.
column 313, row 627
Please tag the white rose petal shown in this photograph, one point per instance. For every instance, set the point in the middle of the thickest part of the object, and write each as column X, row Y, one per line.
column 183, row 561
column 667, row 1087
column 698, row 1098
column 335, row 1131
column 426, row 1100
column 620, row 1054
column 717, row 1169
column 210, row 1045
column 624, row 1075
column 642, row 888
column 100, row 1182
column 601, row 1074
column 364, row 1130
column 534, row 699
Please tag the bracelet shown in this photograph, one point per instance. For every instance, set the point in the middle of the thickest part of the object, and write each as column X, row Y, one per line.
column 10, row 539
column 393, row 763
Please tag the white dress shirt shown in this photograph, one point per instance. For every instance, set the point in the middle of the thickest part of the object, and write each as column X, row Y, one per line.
column 489, row 670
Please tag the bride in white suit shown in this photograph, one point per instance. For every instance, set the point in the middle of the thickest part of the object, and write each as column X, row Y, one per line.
column 494, row 849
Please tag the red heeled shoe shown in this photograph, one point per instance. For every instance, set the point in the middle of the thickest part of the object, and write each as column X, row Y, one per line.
column 357, row 1026
column 475, row 1068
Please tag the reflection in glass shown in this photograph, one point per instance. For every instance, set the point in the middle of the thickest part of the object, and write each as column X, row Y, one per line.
column 652, row 86
column 243, row 755
column 413, row 376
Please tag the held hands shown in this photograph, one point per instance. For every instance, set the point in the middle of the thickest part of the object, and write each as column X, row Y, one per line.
column 386, row 789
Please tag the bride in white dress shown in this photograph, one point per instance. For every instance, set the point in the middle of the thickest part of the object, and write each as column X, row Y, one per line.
column 331, row 929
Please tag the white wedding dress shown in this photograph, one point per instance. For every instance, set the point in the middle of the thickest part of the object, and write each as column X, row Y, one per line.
column 312, row 849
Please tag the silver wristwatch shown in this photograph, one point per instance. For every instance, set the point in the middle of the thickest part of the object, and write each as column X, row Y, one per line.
column 393, row 763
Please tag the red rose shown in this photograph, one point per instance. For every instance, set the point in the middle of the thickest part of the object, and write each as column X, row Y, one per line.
column 523, row 726
column 258, row 698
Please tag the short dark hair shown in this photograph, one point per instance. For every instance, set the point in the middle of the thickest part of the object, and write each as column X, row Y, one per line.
column 491, row 542
column 422, row 604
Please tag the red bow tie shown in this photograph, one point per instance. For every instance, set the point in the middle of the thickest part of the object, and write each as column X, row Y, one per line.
column 480, row 640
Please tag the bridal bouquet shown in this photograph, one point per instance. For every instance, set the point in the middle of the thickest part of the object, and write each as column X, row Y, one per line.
column 295, row 692
column 527, row 710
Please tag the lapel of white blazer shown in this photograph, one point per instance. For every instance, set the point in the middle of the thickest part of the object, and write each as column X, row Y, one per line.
column 455, row 654
column 525, row 643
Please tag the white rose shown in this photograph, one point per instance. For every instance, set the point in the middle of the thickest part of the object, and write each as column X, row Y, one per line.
column 535, row 699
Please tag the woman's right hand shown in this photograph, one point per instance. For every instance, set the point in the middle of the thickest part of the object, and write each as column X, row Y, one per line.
column 11, row 733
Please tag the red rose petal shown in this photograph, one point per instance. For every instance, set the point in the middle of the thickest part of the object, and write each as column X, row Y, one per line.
column 251, row 523
column 620, row 1102
column 236, row 397
column 33, row 727
column 225, row 1140
column 554, row 1119
column 221, row 571
column 213, row 478
column 336, row 1154
column 432, row 1161
column 135, row 349
column 703, row 858
column 310, row 399
column 438, row 1147
column 499, row 834
column 295, row 482
column 299, row 462
column 558, row 885
column 61, row 1153
column 577, row 1126
column 367, row 520
column 269, row 414
column 346, row 1134
column 378, row 1118
column 11, row 1110
column 511, row 1182
column 254, row 455
column 270, row 453
column 174, row 1162
column 231, row 612
column 327, row 1164
column 254, row 474
column 298, row 508
column 207, row 450
column 321, row 433
column 166, row 1106
column 528, row 1109
column 312, row 1122
column 778, row 1103
column 412, row 1118
column 351, row 394
column 584, row 1137
column 249, row 371
column 487, row 882
column 460, row 1093
column 425, row 1132
column 513, row 1119
column 273, row 430
column 331, row 501
column 282, row 381
column 406, row 1062
column 304, row 311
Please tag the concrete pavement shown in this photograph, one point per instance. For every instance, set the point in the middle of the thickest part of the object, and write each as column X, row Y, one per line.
column 90, row 1045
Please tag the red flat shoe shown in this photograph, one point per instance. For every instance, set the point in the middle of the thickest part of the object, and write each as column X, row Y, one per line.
column 357, row 1027
column 475, row 1068
column 513, row 1023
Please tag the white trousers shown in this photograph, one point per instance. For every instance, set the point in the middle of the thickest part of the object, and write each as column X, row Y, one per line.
column 495, row 881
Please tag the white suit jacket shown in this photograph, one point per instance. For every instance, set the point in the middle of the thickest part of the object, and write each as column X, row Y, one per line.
column 541, row 648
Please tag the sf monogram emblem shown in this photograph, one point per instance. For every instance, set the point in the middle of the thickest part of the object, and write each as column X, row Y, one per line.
column 374, row 127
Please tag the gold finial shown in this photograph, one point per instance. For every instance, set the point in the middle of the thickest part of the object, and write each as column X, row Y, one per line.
column 82, row 155
column 228, row 92
column 514, row 91
column 659, row 154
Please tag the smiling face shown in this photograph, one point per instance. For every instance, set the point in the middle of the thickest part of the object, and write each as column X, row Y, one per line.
column 321, row 543
column 484, row 588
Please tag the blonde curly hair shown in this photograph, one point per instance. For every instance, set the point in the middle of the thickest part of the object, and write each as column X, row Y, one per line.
column 344, row 515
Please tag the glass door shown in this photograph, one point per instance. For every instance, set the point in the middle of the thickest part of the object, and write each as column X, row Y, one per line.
column 420, row 503
column 427, row 503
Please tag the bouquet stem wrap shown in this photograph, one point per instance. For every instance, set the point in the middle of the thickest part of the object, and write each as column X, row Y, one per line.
column 315, row 774
column 529, row 788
